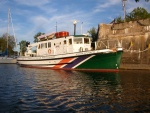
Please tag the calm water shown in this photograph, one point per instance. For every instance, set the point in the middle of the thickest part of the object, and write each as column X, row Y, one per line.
column 29, row 90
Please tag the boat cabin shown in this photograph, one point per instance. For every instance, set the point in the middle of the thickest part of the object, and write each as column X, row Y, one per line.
column 60, row 45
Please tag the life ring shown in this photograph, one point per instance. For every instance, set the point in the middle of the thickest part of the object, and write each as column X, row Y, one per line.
column 49, row 51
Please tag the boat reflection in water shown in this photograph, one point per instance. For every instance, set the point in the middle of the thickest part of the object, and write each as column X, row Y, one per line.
column 76, row 91
column 37, row 90
column 85, row 91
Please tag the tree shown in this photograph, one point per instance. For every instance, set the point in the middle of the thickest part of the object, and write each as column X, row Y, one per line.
column 119, row 19
column 11, row 44
column 22, row 47
column 3, row 45
column 139, row 0
column 137, row 14
column 38, row 34
column 93, row 33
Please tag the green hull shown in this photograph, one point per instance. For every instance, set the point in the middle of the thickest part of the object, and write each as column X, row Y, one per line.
column 103, row 61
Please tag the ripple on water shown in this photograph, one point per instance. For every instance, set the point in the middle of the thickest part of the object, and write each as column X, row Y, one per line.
column 35, row 90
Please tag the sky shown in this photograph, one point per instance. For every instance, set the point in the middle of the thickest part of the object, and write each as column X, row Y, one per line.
column 32, row 16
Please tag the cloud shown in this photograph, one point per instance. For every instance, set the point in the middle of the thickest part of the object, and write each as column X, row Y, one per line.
column 32, row 2
column 40, row 5
column 39, row 20
column 33, row 16
column 47, row 24
column 102, row 5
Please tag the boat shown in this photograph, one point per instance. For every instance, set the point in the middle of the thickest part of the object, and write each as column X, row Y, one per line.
column 70, row 52
column 7, row 60
column 4, row 58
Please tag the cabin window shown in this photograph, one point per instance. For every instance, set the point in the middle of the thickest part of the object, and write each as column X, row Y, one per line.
column 86, row 41
column 65, row 41
column 49, row 44
column 70, row 41
column 78, row 40
column 39, row 46
column 42, row 45
column 45, row 45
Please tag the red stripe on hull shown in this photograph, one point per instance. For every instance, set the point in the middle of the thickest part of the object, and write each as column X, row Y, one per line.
column 87, row 70
column 66, row 60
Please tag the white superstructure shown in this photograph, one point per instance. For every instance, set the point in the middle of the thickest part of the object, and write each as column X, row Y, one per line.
column 63, row 45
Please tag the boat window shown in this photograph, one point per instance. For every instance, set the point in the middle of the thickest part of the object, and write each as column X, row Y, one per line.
column 70, row 41
column 45, row 45
column 86, row 41
column 78, row 40
column 65, row 42
column 39, row 46
column 42, row 45
column 49, row 44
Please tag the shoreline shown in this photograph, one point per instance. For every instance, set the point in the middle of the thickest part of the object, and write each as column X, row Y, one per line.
column 135, row 67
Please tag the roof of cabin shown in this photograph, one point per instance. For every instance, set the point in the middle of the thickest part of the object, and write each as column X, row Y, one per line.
column 81, row 36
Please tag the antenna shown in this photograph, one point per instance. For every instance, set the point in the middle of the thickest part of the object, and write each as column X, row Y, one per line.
column 56, row 26
column 82, row 28
column 124, row 8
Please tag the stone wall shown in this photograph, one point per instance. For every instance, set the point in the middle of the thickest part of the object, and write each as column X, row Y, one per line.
column 134, row 37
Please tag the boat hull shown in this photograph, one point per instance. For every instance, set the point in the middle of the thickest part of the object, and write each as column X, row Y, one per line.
column 93, row 61
column 8, row 60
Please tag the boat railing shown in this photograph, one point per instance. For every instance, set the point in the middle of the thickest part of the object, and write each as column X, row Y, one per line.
column 108, row 44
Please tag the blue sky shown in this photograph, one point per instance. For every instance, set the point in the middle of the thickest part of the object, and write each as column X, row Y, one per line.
column 32, row 16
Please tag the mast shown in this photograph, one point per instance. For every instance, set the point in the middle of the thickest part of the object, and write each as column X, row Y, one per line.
column 12, row 27
column 8, row 29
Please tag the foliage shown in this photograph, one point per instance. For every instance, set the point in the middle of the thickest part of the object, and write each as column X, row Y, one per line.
column 93, row 33
column 3, row 44
column 22, row 47
column 38, row 34
column 119, row 19
column 11, row 44
column 137, row 14
column 139, row 0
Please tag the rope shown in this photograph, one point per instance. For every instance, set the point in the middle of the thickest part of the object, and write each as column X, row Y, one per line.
column 139, row 51
column 143, row 50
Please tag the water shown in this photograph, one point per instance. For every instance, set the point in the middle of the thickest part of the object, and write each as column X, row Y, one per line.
column 26, row 90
